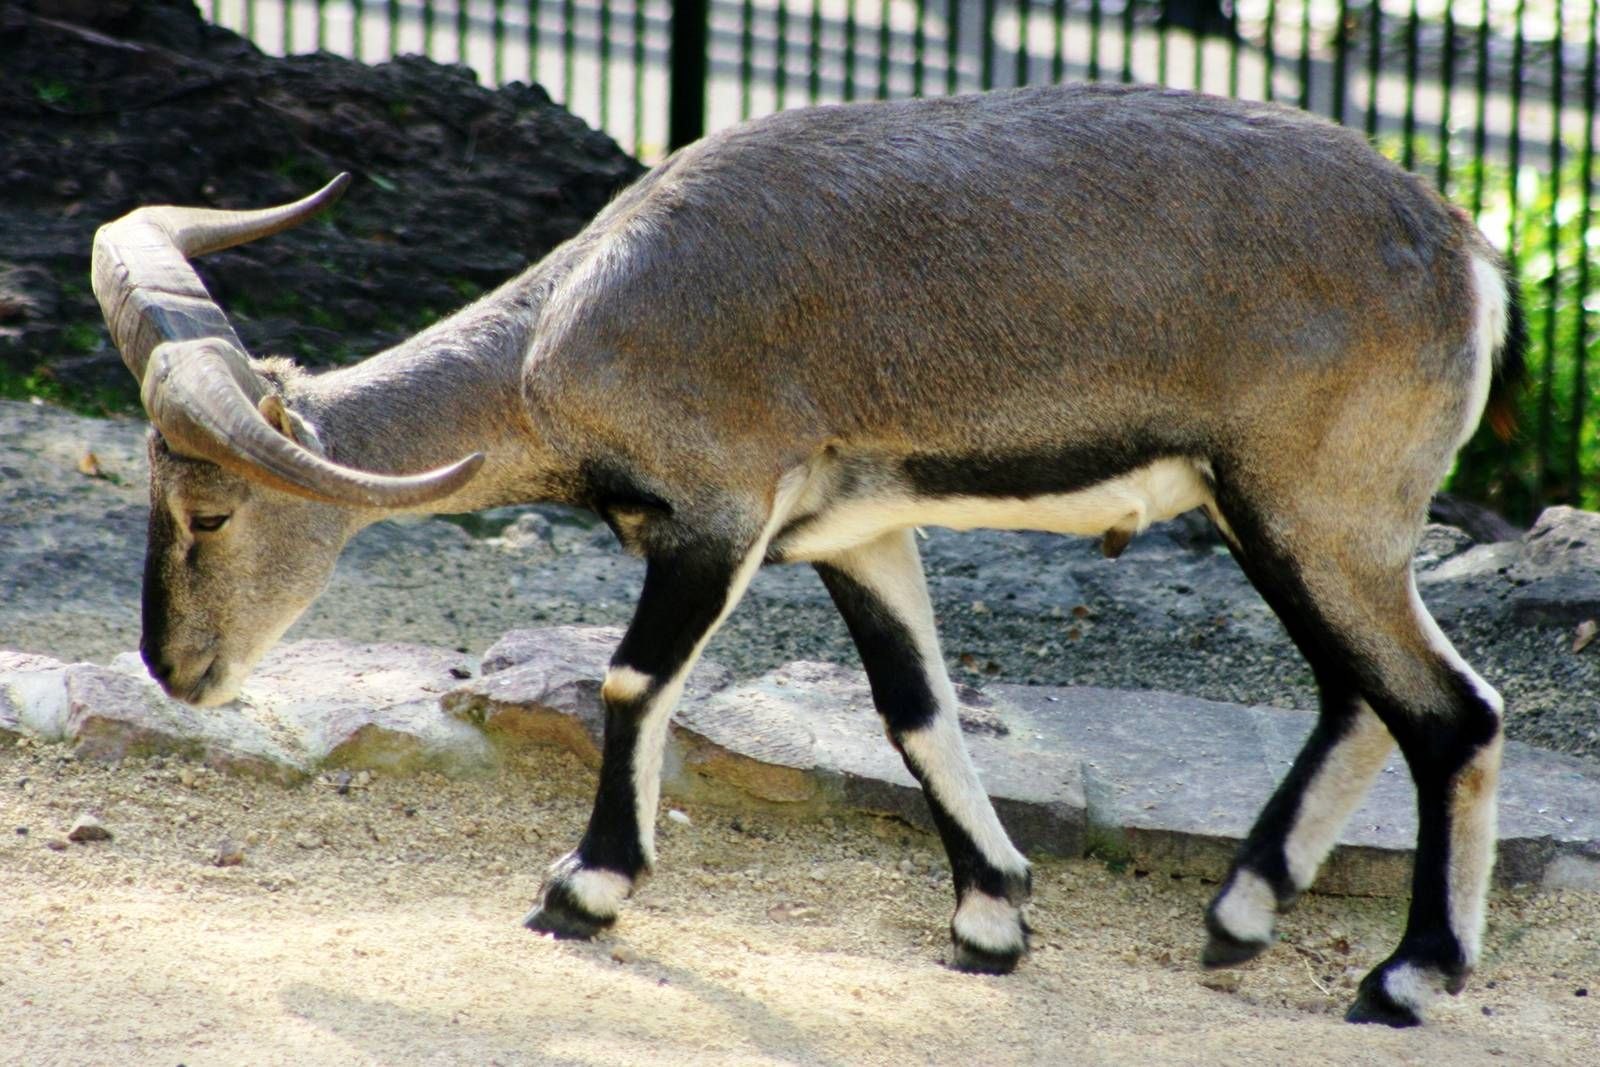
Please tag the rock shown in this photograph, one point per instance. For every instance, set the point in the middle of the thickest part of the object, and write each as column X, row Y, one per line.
column 542, row 687
column 307, row 839
column 87, row 828
column 678, row 817
column 1222, row 981
column 1557, row 578
column 56, row 844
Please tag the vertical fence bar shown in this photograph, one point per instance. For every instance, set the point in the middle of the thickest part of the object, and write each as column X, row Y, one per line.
column 1447, row 74
column 603, row 47
column 1163, row 26
column 850, row 50
column 986, row 46
column 569, row 51
column 1058, row 59
column 639, row 26
column 1022, row 64
column 499, row 33
column 919, row 50
column 1233, row 56
column 463, row 21
column 686, row 120
column 747, row 61
column 1094, row 40
column 427, row 28
column 884, row 41
column 1580, row 348
column 533, row 42
column 358, row 20
column 952, row 46
column 1197, row 38
column 780, row 70
column 1374, row 63
column 1341, row 63
column 1552, row 221
column 1408, row 137
column 1126, row 74
column 322, row 25
column 1480, row 127
column 1269, row 50
column 1514, row 145
column 814, row 54
column 1304, row 69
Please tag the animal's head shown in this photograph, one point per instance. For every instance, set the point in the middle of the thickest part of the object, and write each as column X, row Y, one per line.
column 247, row 511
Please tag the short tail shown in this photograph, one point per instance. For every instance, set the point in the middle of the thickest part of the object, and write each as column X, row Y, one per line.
column 1510, row 361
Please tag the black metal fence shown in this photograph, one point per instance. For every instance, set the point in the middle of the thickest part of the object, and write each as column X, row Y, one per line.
column 1492, row 99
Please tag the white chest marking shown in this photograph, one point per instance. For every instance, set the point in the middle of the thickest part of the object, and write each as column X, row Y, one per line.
column 1130, row 503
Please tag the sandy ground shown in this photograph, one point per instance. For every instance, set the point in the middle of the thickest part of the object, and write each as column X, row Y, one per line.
column 379, row 926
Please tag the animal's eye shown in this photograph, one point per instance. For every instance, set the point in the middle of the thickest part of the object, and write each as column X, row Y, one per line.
column 207, row 523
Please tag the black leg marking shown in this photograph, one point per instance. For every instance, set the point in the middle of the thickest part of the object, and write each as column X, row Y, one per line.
column 683, row 600
column 1447, row 724
column 879, row 591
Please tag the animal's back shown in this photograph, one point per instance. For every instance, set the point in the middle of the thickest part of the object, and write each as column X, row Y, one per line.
column 1053, row 256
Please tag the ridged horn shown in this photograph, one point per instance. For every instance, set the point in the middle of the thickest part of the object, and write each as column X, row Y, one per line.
column 194, row 377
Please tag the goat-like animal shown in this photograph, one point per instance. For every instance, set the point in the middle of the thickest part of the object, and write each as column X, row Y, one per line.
column 1078, row 309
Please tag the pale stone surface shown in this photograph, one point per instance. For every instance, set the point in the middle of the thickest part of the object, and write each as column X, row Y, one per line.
column 1167, row 781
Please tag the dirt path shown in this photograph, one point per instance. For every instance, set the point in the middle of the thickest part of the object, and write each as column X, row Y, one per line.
column 379, row 927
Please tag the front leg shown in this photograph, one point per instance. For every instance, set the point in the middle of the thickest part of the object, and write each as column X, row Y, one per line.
column 880, row 591
column 686, row 596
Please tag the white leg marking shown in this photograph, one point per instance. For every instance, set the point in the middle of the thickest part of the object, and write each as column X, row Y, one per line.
column 890, row 567
column 653, row 724
column 1473, row 818
column 1249, row 909
column 1413, row 986
column 990, row 923
column 1441, row 645
column 1334, row 791
column 600, row 893
column 624, row 683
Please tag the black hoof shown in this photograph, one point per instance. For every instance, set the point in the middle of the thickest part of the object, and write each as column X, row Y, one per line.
column 1374, row 1005
column 559, row 913
column 974, row 960
column 1224, row 950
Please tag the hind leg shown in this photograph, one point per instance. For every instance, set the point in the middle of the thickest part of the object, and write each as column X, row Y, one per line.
column 879, row 589
column 1350, row 603
column 1298, row 827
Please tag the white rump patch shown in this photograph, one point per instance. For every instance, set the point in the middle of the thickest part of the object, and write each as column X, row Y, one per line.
column 1489, row 333
column 990, row 923
column 1249, row 908
column 1129, row 504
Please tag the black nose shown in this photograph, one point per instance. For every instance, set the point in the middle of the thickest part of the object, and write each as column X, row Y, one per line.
column 160, row 668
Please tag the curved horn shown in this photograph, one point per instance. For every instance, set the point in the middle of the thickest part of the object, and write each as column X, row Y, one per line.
column 141, row 275
column 193, row 392
column 195, row 379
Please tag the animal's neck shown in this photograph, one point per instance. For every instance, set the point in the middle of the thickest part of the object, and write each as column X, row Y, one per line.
column 442, row 395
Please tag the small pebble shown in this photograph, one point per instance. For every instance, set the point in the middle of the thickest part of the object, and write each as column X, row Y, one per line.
column 307, row 839
column 187, row 777
column 229, row 853
column 678, row 817
column 55, row 844
column 1581, row 991
column 1221, row 981
column 22, row 831
column 87, row 828
column 624, row 954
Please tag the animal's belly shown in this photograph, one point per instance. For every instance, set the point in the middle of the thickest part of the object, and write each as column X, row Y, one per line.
column 1128, row 503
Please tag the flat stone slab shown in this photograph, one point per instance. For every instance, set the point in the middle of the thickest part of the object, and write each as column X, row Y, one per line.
column 1165, row 781
column 309, row 705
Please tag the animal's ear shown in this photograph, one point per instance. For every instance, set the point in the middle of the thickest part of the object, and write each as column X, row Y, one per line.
column 286, row 422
